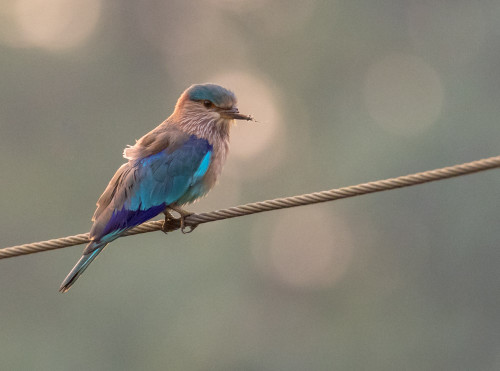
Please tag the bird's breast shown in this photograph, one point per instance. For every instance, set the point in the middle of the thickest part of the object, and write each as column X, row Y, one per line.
column 201, row 186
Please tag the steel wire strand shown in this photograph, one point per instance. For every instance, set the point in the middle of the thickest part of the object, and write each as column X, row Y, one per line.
column 268, row 205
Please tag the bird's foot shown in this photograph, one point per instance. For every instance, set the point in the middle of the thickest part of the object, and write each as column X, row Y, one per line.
column 184, row 214
column 171, row 224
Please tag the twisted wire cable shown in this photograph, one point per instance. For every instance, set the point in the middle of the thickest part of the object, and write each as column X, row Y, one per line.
column 278, row 203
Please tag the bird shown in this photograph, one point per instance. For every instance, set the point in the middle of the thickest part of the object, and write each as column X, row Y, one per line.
column 174, row 164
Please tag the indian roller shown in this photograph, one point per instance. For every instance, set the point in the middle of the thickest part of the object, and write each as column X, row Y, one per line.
column 174, row 164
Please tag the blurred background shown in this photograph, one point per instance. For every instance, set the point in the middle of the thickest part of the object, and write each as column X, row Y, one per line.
column 346, row 92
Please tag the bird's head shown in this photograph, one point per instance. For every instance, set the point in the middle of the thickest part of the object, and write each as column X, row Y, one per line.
column 207, row 108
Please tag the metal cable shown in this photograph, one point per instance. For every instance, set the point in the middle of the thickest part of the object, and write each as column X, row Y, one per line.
column 278, row 203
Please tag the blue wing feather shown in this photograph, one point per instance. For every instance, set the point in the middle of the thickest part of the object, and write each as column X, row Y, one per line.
column 160, row 179
column 124, row 219
column 203, row 167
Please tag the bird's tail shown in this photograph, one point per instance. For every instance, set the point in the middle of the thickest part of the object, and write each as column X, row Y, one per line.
column 82, row 264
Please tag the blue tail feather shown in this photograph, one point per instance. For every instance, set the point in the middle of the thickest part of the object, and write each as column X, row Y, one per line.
column 81, row 265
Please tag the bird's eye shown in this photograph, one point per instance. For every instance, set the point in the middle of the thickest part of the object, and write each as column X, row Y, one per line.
column 207, row 104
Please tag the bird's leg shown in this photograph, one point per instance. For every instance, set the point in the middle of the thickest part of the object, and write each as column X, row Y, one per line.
column 170, row 224
column 184, row 214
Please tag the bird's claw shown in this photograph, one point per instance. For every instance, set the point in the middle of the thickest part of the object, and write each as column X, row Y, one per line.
column 171, row 224
column 184, row 214
column 184, row 227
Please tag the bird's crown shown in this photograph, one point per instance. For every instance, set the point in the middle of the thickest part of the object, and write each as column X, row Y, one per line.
column 216, row 94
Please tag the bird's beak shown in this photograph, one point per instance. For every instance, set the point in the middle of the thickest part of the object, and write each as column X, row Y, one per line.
column 234, row 114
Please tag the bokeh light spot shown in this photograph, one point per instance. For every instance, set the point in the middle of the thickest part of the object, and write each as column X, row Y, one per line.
column 307, row 250
column 56, row 24
column 263, row 140
column 255, row 97
column 403, row 94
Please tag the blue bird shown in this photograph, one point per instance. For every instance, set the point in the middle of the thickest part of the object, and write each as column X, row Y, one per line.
column 174, row 164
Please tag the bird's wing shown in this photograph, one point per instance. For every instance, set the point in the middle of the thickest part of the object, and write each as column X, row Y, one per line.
column 159, row 139
column 143, row 187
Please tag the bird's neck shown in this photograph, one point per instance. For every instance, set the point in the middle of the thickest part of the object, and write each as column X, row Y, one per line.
column 215, row 130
